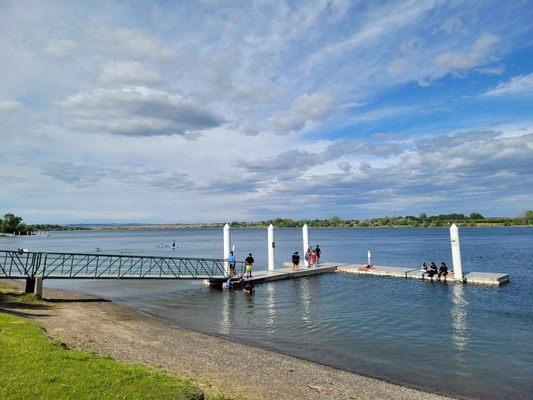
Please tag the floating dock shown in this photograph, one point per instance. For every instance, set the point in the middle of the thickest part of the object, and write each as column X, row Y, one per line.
column 286, row 273
column 480, row 278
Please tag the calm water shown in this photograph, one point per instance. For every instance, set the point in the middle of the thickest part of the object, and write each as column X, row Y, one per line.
column 469, row 341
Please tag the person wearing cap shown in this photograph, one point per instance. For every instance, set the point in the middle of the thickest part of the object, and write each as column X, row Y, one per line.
column 249, row 264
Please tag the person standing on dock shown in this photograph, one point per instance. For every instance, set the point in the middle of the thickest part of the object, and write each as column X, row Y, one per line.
column 231, row 261
column 249, row 264
column 308, row 257
column 295, row 261
column 317, row 251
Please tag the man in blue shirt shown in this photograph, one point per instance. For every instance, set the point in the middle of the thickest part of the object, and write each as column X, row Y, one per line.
column 231, row 264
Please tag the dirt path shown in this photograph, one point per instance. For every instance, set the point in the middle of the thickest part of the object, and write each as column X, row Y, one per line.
column 237, row 370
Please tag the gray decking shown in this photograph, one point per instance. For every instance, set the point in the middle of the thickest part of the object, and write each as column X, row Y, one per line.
column 483, row 278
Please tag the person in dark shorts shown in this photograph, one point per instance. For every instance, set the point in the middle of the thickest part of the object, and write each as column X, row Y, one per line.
column 443, row 270
column 249, row 264
column 318, row 251
column 295, row 261
column 231, row 261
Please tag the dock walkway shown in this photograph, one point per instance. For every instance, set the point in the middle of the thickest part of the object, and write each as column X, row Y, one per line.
column 285, row 273
column 481, row 278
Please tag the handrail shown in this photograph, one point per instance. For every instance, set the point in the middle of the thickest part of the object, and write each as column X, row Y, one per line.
column 57, row 265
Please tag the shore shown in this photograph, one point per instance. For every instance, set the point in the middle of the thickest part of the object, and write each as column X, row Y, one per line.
column 212, row 363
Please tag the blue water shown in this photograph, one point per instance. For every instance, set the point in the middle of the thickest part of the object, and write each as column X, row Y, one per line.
column 466, row 340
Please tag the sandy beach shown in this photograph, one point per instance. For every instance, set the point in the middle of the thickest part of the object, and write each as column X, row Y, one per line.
column 212, row 363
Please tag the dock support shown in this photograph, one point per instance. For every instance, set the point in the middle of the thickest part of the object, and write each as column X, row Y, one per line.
column 305, row 239
column 456, row 253
column 38, row 290
column 30, row 285
column 227, row 247
column 271, row 246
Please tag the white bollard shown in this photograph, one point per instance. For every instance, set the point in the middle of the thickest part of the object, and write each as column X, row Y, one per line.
column 227, row 247
column 369, row 257
column 271, row 246
column 305, row 241
column 456, row 253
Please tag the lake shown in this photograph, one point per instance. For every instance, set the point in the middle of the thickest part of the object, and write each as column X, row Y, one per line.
column 466, row 340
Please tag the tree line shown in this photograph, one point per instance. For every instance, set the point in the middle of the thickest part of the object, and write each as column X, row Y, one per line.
column 422, row 220
column 12, row 224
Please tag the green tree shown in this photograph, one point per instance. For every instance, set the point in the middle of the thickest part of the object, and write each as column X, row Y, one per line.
column 11, row 223
column 476, row 216
column 529, row 217
column 335, row 221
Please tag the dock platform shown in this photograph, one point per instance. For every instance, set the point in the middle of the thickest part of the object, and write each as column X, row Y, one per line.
column 481, row 278
column 286, row 273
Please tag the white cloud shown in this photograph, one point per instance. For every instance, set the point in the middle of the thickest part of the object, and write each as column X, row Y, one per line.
column 130, row 41
column 303, row 109
column 59, row 47
column 137, row 112
column 7, row 105
column 520, row 84
column 492, row 70
column 127, row 72
column 478, row 54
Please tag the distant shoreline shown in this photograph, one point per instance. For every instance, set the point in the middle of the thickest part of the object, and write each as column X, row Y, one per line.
column 219, row 226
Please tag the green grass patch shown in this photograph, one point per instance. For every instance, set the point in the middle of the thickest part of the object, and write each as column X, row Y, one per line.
column 35, row 367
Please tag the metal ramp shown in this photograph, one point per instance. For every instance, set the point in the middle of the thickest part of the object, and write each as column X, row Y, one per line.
column 28, row 265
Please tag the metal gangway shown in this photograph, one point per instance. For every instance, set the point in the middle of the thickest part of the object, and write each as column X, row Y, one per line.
column 17, row 264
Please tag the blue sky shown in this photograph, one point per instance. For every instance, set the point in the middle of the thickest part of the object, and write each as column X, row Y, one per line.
column 225, row 110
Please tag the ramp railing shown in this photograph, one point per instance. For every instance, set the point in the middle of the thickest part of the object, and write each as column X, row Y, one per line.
column 24, row 265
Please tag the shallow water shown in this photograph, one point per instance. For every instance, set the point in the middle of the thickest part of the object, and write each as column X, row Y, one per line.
column 466, row 340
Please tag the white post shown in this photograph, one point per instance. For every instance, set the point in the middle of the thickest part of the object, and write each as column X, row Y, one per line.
column 369, row 257
column 227, row 247
column 305, row 241
column 271, row 246
column 38, row 289
column 456, row 253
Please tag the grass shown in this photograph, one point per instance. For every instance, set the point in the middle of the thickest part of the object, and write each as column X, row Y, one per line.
column 32, row 366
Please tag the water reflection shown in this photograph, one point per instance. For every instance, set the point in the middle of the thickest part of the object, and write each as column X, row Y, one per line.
column 460, row 329
column 227, row 313
column 271, row 307
column 305, row 294
column 459, row 318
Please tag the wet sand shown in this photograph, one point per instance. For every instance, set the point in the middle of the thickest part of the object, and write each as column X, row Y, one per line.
column 214, row 364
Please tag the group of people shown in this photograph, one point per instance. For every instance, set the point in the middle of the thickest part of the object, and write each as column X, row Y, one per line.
column 432, row 270
column 239, row 283
column 248, row 264
column 311, row 257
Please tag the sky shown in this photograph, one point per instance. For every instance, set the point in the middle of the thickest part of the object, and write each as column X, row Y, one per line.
column 213, row 111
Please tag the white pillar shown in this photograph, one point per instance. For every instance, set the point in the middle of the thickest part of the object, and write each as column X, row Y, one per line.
column 456, row 253
column 369, row 257
column 227, row 247
column 38, row 288
column 305, row 240
column 271, row 246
